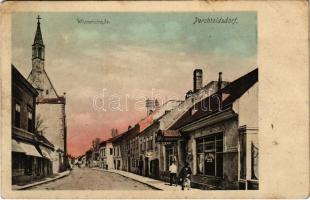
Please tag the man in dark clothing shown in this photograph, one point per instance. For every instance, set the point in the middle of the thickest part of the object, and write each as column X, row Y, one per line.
column 185, row 172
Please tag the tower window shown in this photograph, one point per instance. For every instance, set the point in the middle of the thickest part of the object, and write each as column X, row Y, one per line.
column 33, row 52
column 46, row 92
column 40, row 52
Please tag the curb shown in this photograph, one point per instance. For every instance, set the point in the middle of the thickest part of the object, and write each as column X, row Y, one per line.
column 41, row 182
column 151, row 186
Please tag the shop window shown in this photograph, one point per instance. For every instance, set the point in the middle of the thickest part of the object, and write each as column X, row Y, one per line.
column 28, row 165
column 17, row 115
column 17, row 161
column 210, row 155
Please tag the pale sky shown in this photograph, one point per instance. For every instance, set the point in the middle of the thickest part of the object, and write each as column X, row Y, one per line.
column 131, row 56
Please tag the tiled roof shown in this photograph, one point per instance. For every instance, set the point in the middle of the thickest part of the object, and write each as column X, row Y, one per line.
column 88, row 151
column 17, row 76
column 117, row 138
column 102, row 143
column 147, row 121
column 210, row 105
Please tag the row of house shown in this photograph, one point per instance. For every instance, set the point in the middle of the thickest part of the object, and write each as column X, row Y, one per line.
column 39, row 130
column 215, row 130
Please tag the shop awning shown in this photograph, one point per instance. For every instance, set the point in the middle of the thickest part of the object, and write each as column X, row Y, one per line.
column 168, row 136
column 46, row 152
column 16, row 147
column 29, row 149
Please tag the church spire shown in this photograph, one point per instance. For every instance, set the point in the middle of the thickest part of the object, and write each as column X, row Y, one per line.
column 38, row 47
column 38, row 37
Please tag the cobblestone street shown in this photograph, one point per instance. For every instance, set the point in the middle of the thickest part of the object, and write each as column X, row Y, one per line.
column 88, row 179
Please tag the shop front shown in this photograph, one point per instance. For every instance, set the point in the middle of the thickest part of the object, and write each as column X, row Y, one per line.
column 170, row 151
column 209, row 155
column 213, row 151
column 28, row 164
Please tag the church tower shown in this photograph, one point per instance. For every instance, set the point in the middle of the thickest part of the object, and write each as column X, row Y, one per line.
column 38, row 50
column 50, row 106
column 38, row 76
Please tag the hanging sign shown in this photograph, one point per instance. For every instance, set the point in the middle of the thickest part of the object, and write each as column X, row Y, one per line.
column 148, row 154
column 210, row 157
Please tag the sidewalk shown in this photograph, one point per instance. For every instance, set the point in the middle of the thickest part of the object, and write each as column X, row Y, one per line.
column 60, row 175
column 156, row 184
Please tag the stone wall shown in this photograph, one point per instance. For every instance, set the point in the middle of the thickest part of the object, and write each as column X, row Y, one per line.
column 53, row 129
column 53, row 123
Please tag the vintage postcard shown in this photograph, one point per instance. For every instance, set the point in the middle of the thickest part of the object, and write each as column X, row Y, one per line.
column 180, row 100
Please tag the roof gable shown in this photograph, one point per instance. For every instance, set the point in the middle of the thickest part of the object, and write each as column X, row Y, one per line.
column 49, row 90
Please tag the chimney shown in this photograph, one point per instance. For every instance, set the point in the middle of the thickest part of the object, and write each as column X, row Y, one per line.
column 219, row 83
column 197, row 82
column 156, row 104
column 150, row 106
column 114, row 132
column 219, row 87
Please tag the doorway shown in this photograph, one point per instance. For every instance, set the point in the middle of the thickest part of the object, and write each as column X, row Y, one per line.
column 155, row 169
column 128, row 165
column 146, row 163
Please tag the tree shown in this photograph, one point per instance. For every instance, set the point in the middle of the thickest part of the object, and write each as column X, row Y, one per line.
column 39, row 125
column 95, row 144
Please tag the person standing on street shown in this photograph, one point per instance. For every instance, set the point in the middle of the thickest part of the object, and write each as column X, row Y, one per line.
column 173, row 173
column 185, row 173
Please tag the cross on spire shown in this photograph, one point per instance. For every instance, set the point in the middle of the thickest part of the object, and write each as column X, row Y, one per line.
column 38, row 18
column 38, row 37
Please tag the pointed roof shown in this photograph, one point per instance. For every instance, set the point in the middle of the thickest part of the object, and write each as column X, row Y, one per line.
column 38, row 37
